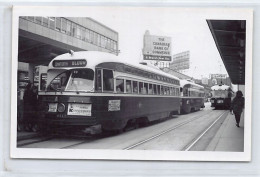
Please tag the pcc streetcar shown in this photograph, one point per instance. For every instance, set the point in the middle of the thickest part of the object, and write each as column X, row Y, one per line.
column 221, row 96
column 97, row 88
column 192, row 96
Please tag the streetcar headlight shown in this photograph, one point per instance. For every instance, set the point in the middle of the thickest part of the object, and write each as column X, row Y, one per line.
column 61, row 107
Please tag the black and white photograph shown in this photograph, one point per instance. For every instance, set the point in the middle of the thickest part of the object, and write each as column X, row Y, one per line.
column 131, row 83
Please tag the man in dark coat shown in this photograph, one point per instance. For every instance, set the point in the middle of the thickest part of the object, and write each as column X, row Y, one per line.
column 30, row 106
column 237, row 106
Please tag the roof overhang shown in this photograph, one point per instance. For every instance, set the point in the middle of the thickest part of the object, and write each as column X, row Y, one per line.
column 230, row 39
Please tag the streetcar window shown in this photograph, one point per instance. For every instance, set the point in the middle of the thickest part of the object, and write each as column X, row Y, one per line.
column 185, row 91
column 59, row 82
column 119, row 85
column 158, row 90
column 108, row 82
column 167, row 90
column 177, row 92
column 128, row 86
column 145, row 90
column 135, row 87
column 154, row 90
column 98, row 80
column 141, row 85
column 150, row 89
column 81, row 80
column 171, row 91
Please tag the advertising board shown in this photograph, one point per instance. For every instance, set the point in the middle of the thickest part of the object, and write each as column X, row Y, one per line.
column 157, row 47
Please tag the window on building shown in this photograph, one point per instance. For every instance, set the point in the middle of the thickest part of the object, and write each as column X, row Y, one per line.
column 108, row 81
column 102, row 41
column 83, row 34
column 58, row 23
column 45, row 21
column 74, row 30
column 31, row 18
column 78, row 29
column 98, row 40
column 52, row 22
column 119, row 85
column 105, row 42
column 108, row 45
column 87, row 35
column 112, row 45
column 91, row 36
column 38, row 20
column 69, row 28
column 64, row 25
column 95, row 39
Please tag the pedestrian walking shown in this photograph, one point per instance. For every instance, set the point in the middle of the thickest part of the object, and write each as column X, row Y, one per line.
column 237, row 106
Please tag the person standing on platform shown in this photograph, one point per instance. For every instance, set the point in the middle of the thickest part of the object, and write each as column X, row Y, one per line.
column 237, row 106
column 30, row 106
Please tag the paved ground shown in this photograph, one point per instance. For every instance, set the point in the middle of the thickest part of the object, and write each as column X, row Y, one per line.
column 229, row 137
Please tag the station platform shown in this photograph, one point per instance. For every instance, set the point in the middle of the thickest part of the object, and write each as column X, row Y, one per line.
column 229, row 137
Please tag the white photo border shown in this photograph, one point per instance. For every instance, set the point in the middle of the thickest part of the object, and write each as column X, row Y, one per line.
column 76, row 11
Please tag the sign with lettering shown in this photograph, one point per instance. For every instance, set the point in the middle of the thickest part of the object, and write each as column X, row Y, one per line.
column 157, row 48
column 69, row 63
column 218, row 76
column 114, row 105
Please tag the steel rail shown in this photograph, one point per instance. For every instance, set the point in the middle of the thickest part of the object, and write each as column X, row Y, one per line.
column 203, row 133
column 166, row 131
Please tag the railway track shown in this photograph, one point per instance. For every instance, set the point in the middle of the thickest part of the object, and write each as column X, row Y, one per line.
column 75, row 141
column 190, row 144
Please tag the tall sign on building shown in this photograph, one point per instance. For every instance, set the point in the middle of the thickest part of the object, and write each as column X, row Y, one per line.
column 216, row 79
column 157, row 48
column 180, row 61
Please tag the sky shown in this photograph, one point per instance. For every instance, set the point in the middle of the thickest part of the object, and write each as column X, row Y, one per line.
column 188, row 31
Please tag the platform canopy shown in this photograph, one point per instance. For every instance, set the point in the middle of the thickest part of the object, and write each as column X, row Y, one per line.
column 229, row 36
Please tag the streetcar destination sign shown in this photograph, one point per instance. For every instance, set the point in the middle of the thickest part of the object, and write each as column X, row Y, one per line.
column 69, row 63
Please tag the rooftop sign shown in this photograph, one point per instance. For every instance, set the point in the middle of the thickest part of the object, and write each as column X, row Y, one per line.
column 157, row 48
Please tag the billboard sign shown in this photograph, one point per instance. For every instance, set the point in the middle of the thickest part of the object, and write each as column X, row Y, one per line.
column 180, row 61
column 218, row 76
column 157, row 48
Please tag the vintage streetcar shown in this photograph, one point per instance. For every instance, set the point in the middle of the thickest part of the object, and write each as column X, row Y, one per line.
column 221, row 96
column 192, row 96
column 96, row 88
